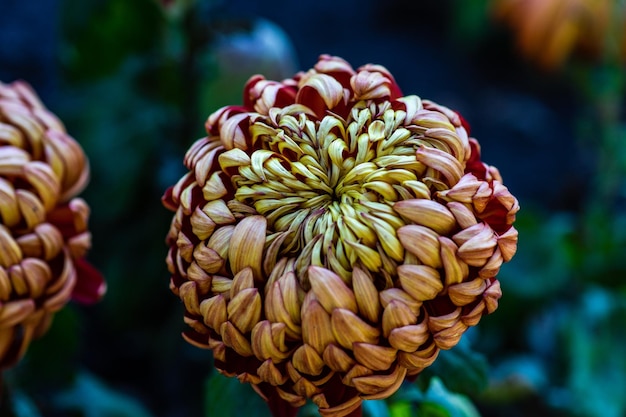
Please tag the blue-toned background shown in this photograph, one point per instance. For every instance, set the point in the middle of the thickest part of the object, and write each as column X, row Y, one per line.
column 134, row 81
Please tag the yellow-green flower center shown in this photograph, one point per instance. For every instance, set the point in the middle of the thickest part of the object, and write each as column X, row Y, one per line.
column 327, row 187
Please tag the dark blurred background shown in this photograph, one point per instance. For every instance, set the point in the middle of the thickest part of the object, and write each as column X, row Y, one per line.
column 134, row 81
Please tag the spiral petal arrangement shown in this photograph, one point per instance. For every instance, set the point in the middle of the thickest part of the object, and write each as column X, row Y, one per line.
column 332, row 236
column 43, row 233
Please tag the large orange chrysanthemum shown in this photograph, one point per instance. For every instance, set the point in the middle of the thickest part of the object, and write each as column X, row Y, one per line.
column 332, row 235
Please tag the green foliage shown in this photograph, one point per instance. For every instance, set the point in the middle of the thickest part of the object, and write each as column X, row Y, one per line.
column 436, row 400
column 22, row 406
column 228, row 397
column 101, row 35
column 376, row 408
column 91, row 398
column 461, row 369
column 61, row 341
column 593, row 333
column 468, row 25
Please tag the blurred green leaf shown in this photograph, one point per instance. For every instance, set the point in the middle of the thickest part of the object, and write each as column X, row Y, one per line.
column 434, row 401
column 594, row 346
column 429, row 409
column 102, row 34
column 93, row 398
column 470, row 21
column 548, row 250
column 401, row 409
column 23, row 406
column 461, row 369
column 438, row 401
column 516, row 378
column 47, row 358
column 227, row 397
column 375, row 408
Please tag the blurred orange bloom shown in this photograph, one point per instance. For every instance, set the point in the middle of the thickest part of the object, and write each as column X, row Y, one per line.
column 550, row 31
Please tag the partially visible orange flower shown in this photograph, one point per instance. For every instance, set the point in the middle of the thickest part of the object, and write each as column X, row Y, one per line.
column 551, row 31
column 43, row 228
column 332, row 236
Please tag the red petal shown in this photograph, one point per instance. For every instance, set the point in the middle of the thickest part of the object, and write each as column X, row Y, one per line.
column 474, row 165
column 168, row 200
column 90, row 284
column 285, row 96
column 63, row 218
column 336, row 67
column 464, row 123
column 312, row 98
column 248, row 98
column 216, row 119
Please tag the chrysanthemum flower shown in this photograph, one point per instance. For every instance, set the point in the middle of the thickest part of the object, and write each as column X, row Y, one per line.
column 43, row 234
column 332, row 236
column 550, row 31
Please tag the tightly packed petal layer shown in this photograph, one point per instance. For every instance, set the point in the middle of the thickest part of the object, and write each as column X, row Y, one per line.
column 43, row 232
column 332, row 236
